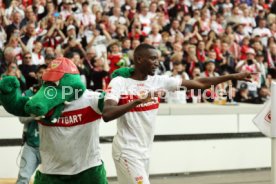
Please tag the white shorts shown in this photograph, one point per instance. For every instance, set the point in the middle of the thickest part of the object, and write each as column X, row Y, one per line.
column 132, row 171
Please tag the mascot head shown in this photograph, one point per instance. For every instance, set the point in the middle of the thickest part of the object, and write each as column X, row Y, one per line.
column 61, row 85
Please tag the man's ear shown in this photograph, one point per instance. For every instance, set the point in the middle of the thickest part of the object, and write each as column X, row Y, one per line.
column 138, row 59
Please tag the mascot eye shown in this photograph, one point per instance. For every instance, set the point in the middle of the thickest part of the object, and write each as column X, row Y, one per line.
column 48, row 83
column 57, row 83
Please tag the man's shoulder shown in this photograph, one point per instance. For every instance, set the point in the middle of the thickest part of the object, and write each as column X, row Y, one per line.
column 118, row 79
column 89, row 94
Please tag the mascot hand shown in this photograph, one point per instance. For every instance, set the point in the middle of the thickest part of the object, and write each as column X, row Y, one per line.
column 9, row 84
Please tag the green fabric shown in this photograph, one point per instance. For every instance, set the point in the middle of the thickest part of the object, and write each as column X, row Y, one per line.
column 56, row 114
column 123, row 61
column 29, row 93
column 11, row 97
column 48, row 96
column 32, row 135
column 22, row 78
column 94, row 175
column 123, row 72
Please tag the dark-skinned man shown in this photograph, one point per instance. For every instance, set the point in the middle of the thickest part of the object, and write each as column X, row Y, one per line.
column 134, row 101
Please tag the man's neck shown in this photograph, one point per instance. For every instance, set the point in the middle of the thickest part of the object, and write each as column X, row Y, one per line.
column 137, row 75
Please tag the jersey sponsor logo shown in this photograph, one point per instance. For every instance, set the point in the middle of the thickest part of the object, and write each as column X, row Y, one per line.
column 124, row 99
column 76, row 117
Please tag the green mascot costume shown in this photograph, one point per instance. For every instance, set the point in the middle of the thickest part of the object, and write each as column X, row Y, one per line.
column 69, row 117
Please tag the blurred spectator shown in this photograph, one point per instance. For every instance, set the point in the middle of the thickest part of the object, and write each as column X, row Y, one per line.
column 263, row 95
column 250, row 65
column 28, row 70
column 28, row 16
column 224, row 35
column 15, row 24
column 155, row 36
column 49, row 58
column 271, row 56
column 209, row 69
column 100, row 39
column 13, row 9
column 243, row 94
column 37, row 57
column 178, row 71
column 115, row 56
column 13, row 70
column 30, row 36
column 86, row 18
column 99, row 72
column 78, row 61
column 262, row 31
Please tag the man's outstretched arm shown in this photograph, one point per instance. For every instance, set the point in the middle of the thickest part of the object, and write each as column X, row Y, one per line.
column 205, row 83
column 113, row 111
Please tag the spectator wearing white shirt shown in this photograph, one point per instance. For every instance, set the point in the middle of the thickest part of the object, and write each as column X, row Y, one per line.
column 152, row 10
column 204, row 21
column 30, row 36
column 262, row 31
column 66, row 9
column 155, row 36
column 37, row 57
column 227, row 6
column 98, row 41
column 239, row 33
column 145, row 20
column 117, row 18
column 86, row 18
column 178, row 71
column 273, row 29
column 235, row 16
column 175, row 29
column 271, row 56
column 217, row 25
column 14, row 7
column 248, row 21
column 250, row 64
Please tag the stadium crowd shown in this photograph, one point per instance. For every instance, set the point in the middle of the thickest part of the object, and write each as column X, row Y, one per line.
column 195, row 38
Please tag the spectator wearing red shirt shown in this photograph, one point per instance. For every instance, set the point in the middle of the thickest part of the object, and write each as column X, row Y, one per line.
column 244, row 48
column 217, row 48
column 114, row 57
column 201, row 52
column 136, row 32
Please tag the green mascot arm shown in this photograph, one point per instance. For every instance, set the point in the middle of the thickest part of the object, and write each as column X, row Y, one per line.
column 125, row 72
column 11, row 98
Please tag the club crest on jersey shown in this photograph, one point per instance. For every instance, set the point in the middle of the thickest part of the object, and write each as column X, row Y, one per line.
column 139, row 179
column 55, row 64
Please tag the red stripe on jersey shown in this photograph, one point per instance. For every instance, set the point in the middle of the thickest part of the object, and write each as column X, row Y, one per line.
column 75, row 117
column 124, row 99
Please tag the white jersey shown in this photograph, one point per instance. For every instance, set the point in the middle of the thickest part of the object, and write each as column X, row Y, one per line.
column 71, row 145
column 135, row 129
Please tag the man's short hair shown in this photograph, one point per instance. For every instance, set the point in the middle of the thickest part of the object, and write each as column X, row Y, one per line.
column 85, row 3
column 50, row 57
column 41, row 67
column 142, row 48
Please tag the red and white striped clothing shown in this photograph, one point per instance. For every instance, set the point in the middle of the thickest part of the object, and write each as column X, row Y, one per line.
column 135, row 129
column 71, row 145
